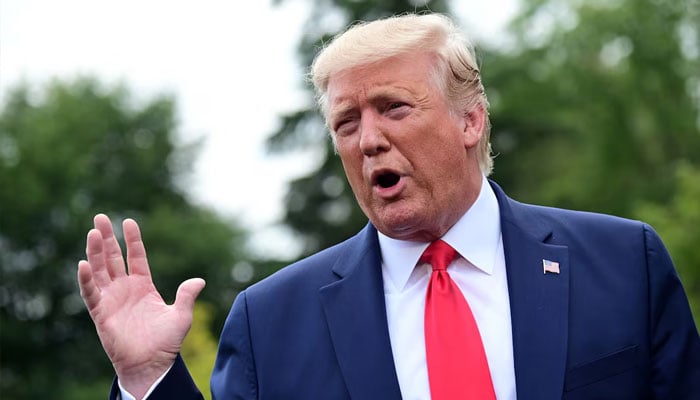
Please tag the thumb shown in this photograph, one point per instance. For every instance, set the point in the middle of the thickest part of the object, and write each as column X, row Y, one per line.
column 187, row 293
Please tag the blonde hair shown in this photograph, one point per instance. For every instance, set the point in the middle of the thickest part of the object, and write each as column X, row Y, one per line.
column 456, row 72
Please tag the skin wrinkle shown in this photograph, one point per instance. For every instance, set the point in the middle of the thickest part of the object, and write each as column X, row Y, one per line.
column 377, row 94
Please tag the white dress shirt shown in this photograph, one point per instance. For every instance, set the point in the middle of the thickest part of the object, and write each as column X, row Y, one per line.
column 480, row 274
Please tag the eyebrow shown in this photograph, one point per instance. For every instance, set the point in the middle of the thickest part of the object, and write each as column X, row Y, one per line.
column 340, row 110
column 375, row 95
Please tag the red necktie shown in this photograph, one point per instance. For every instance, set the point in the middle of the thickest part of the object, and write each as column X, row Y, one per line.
column 457, row 366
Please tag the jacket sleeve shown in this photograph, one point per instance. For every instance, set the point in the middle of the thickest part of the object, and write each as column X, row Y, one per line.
column 675, row 344
column 234, row 375
column 177, row 384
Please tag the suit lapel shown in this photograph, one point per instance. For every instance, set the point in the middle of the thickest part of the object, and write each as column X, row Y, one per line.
column 539, row 302
column 356, row 315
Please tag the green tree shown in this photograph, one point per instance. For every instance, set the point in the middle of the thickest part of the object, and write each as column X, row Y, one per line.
column 68, row 151
column 596, row 102
column 320, row 206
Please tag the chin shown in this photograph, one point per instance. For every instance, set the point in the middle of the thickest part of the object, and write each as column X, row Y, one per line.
column 401, row 227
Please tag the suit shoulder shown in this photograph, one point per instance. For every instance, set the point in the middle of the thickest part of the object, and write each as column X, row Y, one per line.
column 560, row 217
column 584, row 228
column 314, row 270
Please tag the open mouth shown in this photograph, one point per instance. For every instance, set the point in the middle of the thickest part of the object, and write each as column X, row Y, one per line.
column 388, row 180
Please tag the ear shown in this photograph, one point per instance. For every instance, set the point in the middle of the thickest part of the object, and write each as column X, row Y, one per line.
column 473, row 126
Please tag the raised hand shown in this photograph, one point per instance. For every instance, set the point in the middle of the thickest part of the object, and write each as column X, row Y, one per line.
column 140, row 333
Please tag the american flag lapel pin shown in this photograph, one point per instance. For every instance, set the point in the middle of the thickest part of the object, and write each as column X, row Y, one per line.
column 550, row 266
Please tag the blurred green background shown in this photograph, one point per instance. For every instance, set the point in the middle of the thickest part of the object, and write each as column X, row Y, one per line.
column 595, row 105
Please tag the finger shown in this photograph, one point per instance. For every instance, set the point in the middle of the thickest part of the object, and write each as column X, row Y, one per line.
column 88, row 289
column 187, row 294
column 96, row 258
column 135, row 250
column 113, row 253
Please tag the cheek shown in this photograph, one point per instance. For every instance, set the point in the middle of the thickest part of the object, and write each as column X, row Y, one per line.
column 352, row 165
column 442, row 160
column 353, row 172
column 347, row 147
column 436, row 148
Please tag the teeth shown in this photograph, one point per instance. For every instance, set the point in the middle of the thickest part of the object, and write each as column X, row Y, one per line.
column 387, row 180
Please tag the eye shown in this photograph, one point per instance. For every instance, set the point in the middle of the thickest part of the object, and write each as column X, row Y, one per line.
column 394, row 105
column 345, row 127
column 396, row 109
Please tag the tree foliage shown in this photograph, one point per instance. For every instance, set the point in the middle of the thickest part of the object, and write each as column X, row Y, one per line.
column 68, row 151
column 596, row 103
column 200, row 346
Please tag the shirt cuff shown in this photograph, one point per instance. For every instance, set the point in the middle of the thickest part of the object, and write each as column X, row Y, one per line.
column 124, row 395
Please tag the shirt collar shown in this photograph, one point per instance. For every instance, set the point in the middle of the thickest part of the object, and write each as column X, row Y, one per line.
column 475, row 236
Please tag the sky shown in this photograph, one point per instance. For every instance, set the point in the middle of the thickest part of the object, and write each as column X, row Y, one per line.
column 232, row 70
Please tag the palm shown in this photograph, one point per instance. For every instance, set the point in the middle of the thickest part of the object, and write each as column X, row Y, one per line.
column 139, row 332
column 132, row 305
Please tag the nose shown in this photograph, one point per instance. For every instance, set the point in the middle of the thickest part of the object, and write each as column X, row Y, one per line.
column 373, row 139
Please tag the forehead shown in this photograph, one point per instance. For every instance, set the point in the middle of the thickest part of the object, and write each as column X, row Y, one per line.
column 395, row 76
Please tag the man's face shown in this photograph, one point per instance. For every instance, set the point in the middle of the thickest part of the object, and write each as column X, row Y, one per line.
column 410, row 161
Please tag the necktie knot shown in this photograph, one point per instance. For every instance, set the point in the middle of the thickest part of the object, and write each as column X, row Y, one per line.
column 439, row 254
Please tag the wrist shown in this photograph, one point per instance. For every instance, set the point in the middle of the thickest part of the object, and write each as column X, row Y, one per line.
column 140, row 383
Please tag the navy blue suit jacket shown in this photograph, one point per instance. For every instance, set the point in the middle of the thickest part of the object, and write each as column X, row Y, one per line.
column 613, row 324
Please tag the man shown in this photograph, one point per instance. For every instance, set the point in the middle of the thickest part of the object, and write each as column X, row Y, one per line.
column 551, row 303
